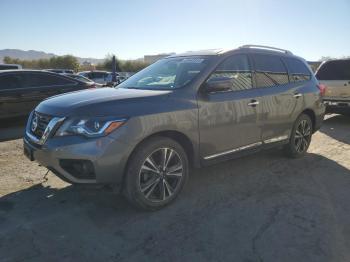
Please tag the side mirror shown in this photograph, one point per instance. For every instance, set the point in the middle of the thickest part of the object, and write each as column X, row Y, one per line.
column 218, row 84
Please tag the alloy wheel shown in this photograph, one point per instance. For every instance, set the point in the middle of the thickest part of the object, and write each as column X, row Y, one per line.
column 302, row 136
column 160, row 174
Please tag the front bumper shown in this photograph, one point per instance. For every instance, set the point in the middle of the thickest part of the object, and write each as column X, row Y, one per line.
column 106, row 157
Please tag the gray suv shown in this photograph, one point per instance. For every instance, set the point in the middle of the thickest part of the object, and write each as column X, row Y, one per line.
column 186, row 110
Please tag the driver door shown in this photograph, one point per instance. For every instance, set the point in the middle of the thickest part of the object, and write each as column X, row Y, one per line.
column 228, row 121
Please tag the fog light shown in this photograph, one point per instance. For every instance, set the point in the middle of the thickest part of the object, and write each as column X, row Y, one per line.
column 81, row 169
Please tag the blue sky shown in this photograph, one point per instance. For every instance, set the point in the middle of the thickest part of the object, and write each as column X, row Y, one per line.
column 133, row 28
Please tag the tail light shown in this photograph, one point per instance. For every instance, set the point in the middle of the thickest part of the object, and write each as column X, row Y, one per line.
column 322, row 89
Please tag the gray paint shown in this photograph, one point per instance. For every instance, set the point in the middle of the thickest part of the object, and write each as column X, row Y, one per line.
column 216, row 124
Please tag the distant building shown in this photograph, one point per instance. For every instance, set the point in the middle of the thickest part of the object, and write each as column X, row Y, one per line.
column 149, row 59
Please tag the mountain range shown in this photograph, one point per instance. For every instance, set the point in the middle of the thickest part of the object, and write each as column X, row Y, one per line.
column 33, row 55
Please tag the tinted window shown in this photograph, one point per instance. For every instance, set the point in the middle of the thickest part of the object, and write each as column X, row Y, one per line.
column 99, row 75
column 38, row 80
column 237, row 69
column 10, row 81
column 297, row 69
column 270, row 71
column 334, row 70
column 6, row 67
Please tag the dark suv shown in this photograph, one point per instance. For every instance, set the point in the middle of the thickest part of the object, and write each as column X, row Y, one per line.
column 22, row 90
column 186, row 110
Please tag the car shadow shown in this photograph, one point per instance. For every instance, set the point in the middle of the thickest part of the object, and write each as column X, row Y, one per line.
column 337, row 127
column 262, row 207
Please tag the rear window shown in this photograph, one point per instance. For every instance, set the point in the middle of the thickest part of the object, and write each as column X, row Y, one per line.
column 270, row 71
column 297, row 69
column 334, row 70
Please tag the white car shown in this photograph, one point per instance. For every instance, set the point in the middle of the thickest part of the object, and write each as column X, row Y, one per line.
column 100, row 77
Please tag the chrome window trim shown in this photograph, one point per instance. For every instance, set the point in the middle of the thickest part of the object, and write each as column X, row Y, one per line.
column 233, row 150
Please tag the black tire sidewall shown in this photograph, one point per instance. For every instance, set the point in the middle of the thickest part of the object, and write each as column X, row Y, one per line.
column 132, row 190
column 291, row 150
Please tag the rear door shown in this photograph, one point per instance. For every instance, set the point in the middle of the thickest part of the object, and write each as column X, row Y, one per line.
column 336, row 76
column 11, row 95
column 280, row 102
column 228, row 120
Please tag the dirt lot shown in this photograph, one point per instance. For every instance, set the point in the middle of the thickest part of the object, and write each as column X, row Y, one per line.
column 263, row 207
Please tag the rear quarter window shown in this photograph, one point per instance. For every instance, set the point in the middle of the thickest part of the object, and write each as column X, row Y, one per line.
column 334, row 70
column 269, row 71
column 298, row 71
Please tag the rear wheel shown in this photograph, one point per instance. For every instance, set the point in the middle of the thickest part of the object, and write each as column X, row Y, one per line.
column 156, row 173
column 300, row 138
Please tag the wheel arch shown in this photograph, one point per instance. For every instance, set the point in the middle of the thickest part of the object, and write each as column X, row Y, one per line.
column 177, row 136
column 309, row 112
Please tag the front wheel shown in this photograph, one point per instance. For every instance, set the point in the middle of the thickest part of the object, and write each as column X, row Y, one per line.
column 300, row 138
column 156, row 173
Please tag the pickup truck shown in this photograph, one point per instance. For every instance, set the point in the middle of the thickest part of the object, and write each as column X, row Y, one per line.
column 335, row 75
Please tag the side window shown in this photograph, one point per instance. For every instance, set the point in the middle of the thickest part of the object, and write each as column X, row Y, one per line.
column 270, row 71
column 41, row 80
column 98, row 75
column 10, row 81
column 298, row 70
column 236, row 69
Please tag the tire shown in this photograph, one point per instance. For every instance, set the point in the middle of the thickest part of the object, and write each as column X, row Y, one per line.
column 152, row 183
column 300, row 137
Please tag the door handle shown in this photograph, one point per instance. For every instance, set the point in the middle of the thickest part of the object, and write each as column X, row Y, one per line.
column 253, row 103
column 297, row 95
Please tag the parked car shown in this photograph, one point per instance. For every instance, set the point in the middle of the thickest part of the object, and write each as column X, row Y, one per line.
column 97, row 76
column 186, row 110
column 110, row 82
column 84, row 79
column 10, row 66
column 61, row 71
column 335, row 75
column 22, row 90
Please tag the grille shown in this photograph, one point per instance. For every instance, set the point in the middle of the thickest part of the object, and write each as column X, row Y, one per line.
column 43, row 121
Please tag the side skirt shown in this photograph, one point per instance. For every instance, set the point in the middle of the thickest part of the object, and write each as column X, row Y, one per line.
column 242, row 151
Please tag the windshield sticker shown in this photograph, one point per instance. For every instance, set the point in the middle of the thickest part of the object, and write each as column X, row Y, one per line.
column 192, row 60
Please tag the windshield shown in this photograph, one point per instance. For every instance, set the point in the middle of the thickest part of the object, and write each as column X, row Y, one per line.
column 169, row 73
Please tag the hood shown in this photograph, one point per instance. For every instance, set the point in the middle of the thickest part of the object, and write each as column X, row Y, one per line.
column 100, row 102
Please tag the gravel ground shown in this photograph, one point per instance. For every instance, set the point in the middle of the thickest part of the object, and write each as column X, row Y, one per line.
column 263, row 207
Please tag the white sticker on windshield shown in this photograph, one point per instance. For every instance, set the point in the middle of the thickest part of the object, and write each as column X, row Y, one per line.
column 192, row 60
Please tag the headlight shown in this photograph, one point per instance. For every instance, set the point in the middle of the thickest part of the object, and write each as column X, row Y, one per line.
column 89, row 127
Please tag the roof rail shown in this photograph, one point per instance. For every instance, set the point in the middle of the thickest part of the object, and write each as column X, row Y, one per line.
column 267, row 48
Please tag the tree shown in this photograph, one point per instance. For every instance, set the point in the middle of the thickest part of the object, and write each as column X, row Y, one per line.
column 66, row 62
column 121, row 65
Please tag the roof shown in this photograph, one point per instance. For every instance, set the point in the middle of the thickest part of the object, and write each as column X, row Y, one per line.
column 250, row 48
